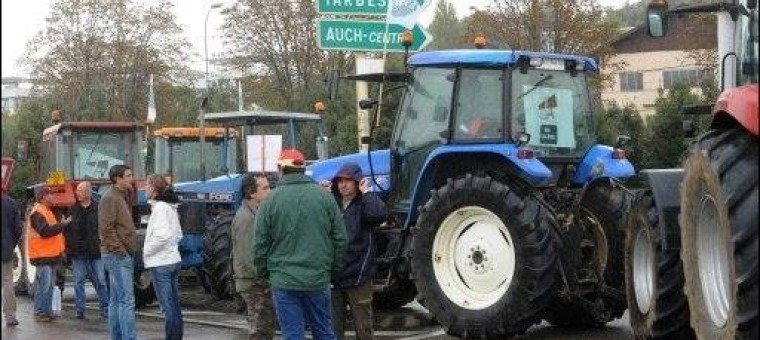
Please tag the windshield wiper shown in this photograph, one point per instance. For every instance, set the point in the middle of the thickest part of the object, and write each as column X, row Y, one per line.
column 535, row 86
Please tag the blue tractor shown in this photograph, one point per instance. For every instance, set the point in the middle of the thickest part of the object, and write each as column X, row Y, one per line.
column 208, row 206
column 508, row 209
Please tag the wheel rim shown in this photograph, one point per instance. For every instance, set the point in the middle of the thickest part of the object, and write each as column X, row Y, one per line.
column 473, row 257
column 643, row 270
column 712, row 261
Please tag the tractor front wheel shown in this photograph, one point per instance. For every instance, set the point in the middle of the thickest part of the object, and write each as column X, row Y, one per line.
column 217, row 255
column 485, row 259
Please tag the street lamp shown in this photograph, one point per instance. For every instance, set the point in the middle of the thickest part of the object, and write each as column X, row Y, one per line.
column 202, row 105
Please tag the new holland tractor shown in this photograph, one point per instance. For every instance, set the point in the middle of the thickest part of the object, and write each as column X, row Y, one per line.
column 509, row 210
column 174, row 154
column 71, row 152
column 208, row 206
column 691, row 248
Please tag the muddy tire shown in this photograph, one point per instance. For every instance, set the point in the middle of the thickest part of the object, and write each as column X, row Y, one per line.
column 719, row 216
column 657, row 305
column 217, row 255
column 485, row 259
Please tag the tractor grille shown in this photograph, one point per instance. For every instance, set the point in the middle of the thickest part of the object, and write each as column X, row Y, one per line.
column 192, row 216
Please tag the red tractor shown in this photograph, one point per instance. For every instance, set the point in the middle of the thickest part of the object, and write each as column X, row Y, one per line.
column 72, row 152
column 691, row 248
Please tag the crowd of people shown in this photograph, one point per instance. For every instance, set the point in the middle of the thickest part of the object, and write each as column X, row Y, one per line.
column 303, row 253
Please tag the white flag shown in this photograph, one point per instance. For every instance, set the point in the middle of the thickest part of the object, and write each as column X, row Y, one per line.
column 404, row 12
column 151, row 104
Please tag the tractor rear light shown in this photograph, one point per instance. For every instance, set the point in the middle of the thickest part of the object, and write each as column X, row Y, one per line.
column 524, row 154
column 618, row 154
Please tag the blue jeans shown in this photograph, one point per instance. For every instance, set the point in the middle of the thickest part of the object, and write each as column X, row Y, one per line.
column 166, row 285
column 293, row 306
column 43, row 289
column 121, row 305
column 92, row 267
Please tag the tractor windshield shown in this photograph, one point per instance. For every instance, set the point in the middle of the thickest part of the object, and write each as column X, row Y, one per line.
column 552, row 107
column 180, row 157
column 747, row 48
column 89, row 155
column 424, row 113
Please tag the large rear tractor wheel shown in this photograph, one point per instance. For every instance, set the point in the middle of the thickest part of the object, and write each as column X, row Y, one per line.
column 485, row 259
column 719, row 216
column 654, row 277
column 217, row 255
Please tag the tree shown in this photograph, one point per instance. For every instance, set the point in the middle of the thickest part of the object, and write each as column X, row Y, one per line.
column 93, row 58
column 562, row 26
column 445, row 28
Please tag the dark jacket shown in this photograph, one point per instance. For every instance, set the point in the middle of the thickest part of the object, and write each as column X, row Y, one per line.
column 82, row 239
column 299, row 238
column 361, row 217
column 12, row 228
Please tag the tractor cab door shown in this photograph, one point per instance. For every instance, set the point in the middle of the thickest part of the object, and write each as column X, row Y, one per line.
column 422, row 125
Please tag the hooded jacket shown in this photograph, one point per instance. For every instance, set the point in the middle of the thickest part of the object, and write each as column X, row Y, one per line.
column 361, row 216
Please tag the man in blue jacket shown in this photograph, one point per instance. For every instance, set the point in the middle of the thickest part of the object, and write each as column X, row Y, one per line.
column 352, row 287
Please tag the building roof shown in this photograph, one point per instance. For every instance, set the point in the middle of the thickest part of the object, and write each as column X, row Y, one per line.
column 685, row 33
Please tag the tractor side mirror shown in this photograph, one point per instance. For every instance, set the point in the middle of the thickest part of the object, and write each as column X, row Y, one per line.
column 366, row 140
column 366, row 104
column 657, row 18
column 333, row 77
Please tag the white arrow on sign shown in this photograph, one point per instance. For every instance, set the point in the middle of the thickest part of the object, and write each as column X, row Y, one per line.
column 405, row 12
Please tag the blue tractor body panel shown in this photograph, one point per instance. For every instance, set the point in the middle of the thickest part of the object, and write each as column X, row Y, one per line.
column 223, row 189
column 490, row 58
column 381, row 168
column 598, row 162
column 190, row 249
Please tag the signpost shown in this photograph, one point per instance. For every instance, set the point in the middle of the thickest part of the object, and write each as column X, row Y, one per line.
column 346, row 35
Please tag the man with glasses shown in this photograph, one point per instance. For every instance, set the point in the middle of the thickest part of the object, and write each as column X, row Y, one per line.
column 117, row 246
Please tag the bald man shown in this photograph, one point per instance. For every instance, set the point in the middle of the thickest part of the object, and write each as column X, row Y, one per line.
column 83, row 248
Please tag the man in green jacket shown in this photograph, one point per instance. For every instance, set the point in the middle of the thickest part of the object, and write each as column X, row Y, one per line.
column 299, row 242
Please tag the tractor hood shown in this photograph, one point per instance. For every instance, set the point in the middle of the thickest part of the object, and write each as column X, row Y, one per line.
column 219, row 189
column 381, row 166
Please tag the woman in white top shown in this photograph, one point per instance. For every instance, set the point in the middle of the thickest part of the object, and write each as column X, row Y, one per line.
column 161, row 252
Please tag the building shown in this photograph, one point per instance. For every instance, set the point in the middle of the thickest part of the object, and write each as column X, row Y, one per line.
column 13, row 92
column 648, row 64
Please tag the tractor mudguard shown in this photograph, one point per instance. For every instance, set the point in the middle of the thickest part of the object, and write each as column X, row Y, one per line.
column 598, row 162
column 381, row 168
column 666, row 189
column 741, row 105
column 532, row 170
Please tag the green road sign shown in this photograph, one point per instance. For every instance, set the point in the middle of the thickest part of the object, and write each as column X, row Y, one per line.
column 359, row 7
column 367, row 36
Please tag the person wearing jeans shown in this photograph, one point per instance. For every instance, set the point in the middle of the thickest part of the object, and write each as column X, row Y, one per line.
column 121, row 305
column 11, row 235
column 299, row 240
column 83, row 248
column 161, row 251
column 117, row 244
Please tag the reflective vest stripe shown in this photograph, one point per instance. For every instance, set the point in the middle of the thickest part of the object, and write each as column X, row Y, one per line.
column 39, row 247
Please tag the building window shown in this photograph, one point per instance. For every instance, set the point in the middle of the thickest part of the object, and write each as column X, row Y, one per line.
column 691, row 77
column 631, row 81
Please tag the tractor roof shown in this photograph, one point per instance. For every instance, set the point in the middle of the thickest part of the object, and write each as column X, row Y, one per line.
column 489, row 58
column 259, row 117
column 93, row 126
column 192, row 132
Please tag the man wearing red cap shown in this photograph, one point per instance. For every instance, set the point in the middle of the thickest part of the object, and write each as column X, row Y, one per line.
column 299, row 242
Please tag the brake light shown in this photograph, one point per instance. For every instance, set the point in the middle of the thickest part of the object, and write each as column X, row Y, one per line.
column 618, row 154
column 524, row 154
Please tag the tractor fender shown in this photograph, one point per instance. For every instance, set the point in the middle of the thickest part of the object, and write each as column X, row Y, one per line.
column 598, row 163
column 738, row 104
column 665, row 185
column 531, row 170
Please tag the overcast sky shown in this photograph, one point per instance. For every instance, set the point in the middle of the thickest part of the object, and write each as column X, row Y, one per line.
column 22, row 19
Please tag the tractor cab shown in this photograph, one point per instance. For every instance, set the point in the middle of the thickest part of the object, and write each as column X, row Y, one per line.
column 176, row 148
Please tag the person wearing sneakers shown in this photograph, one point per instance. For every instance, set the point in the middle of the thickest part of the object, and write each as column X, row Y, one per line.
column 11, row 232
column 46, row 246
column 299, row 242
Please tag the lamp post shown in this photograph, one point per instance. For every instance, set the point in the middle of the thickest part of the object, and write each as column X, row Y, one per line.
column 202, row 105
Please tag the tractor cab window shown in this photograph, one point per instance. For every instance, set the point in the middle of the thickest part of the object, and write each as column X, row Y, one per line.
column 425, row 109
column 479, row 104
column 747, row 43
column 89, row 155
column 185, row 165
column 552, row 107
